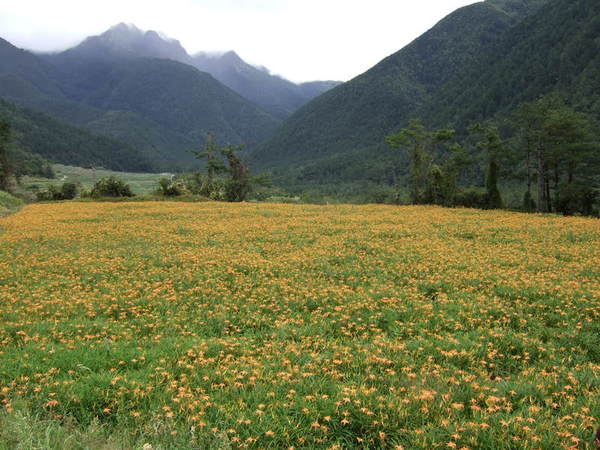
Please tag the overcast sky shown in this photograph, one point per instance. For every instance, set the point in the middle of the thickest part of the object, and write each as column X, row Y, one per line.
column 301, row 40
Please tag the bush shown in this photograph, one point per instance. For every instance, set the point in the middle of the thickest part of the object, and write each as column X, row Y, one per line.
column 577, row 199
column 9, row 202
column 68, row 191
column 472, row 198
column 171, row 188
column 110, row 187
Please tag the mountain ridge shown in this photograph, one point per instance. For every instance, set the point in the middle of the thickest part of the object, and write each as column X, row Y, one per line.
column 347, row 125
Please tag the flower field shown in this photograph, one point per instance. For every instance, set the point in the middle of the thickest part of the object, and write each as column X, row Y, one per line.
column 177, row 325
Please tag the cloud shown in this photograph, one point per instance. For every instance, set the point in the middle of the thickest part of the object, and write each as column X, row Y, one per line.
column 299, row 39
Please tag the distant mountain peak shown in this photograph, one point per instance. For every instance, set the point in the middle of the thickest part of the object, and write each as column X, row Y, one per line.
column 127, row 40
column 124, row 27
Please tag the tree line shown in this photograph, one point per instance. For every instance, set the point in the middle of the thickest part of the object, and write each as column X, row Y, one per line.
column 552, row 147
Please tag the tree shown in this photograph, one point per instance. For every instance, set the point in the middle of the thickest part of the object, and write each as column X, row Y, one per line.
column 494, row 149
column 214, row 165
column 562, row 142
column 238, row 185
column 420, row 144
column 6, row 168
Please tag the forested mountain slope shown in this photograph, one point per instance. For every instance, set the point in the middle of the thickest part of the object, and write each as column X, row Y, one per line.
column 556, row 49
column 275, row 94
column 339, row 136
column 160, row 108
column 58, row 142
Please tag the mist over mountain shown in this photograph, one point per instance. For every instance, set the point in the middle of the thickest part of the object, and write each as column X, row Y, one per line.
column 275, row 94
column 128, row 41
column 160, row 107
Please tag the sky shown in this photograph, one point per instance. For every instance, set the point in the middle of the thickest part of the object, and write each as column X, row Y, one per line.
column 301, row 40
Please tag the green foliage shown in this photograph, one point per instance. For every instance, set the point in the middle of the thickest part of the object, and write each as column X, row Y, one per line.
column 234, row 188
column 6, row 168
column 38, row 134
column 577, row 199
column 472, row 198
column 68, row 191
column 563, row 144
column 491, row 185
column 529, row 204
column 430, row 183
column 238, row 185
column 111, row 187
column 171, row 187
column 493, row 149
column 9, row 203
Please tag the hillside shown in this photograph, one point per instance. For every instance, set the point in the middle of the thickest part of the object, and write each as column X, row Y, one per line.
column 160, row 108
column 58, row 142
column 556, row 49
column 172, row 95
column 341, row 133
column 276, row 95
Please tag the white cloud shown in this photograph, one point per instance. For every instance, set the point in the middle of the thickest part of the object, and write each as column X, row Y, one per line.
column 299, row 39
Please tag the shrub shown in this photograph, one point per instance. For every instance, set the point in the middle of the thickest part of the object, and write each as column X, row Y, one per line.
column 9, row 202
column 171, row 188
column 111, row 187
column 68, row 191
column 472, row 198
column 577, row 199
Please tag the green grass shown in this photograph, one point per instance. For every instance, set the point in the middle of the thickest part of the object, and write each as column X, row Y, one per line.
column 214, row 326
column 141, row 183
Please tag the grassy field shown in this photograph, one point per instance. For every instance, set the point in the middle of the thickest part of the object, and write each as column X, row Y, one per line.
column 176, row 325
column 141, row 183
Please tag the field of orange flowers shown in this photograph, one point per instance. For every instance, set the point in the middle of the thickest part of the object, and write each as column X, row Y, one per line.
column 177, row 325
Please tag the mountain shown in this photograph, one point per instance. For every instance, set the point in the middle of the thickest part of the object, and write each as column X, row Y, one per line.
column 340, row 134
column 172, row 95
column 128, row 41
column 159, row 107
column 313, row 89
column 58, row 142
column 276, row 95
column 556, row 49
column 29, row 80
